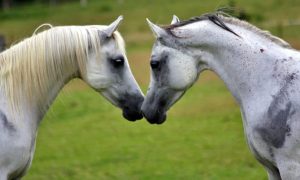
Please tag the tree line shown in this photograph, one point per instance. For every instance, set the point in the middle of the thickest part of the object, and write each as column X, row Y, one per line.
column 7, row 4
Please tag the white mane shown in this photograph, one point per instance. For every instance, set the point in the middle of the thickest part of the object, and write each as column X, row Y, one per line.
column 27, row 68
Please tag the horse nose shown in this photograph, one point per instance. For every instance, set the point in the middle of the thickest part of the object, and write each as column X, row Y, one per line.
column 153, row 117
column 132, row 116
column 132, row 111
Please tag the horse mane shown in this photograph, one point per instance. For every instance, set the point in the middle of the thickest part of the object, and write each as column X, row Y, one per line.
column 220, row 19
column 27, row 68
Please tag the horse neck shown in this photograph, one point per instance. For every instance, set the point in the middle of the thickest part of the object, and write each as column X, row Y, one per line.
column 246, row 65
column 54, row 86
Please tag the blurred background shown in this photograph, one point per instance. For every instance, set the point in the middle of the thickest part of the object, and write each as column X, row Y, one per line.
column 84, row 137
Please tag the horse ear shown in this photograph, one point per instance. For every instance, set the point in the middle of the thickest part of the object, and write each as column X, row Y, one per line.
column 113, row 26
column 157, row 31
column 175, row 20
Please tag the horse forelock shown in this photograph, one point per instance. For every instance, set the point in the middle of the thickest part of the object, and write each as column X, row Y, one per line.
column 27, row 68
column 220, row 20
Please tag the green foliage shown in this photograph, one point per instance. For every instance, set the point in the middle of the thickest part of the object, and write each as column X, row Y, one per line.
column 20, row 22
column 105, row 8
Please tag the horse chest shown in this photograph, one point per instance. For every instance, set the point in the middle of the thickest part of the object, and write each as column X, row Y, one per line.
column 15, row 154
column 17, row 143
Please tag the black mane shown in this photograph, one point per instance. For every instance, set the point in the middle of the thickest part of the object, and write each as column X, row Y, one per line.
column 213, row 17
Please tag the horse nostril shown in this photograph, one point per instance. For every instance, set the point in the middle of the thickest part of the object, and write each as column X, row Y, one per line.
column 154, row 64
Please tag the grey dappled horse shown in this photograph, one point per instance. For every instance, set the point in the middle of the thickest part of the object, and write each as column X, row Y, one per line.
column 33, row 71
column 261, row 71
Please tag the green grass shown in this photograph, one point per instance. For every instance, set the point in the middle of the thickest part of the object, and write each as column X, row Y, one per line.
column 85, row 137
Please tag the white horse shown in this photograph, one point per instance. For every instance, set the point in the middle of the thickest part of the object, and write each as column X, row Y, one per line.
column 261, row 71
column 34, row 71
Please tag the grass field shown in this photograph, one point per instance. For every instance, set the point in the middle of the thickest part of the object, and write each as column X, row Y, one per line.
column 85, row 137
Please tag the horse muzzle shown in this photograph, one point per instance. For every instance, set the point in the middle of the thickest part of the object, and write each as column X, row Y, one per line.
column 132, row 115
column 132, row 108
column 154, row 117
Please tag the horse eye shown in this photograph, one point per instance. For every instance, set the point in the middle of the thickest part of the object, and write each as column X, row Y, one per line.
column 154, row 64
column 118, row 61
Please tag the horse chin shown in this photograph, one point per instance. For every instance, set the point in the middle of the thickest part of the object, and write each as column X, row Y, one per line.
column 155, row 118
column 132, row 116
